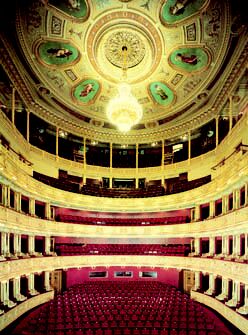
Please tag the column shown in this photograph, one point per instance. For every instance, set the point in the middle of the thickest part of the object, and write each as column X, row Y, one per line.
column 32, row 206
column 47, row 285
column 162, row 159
column 17, row 290
column 17, row 244
column 192, row 215
column 235, row 294
column 137, row 166
column 245, row 256
column 162, row 164
column 48, row 210
column 3, row 195
column 212, row 246
column 8, row 196
column 47, row 245
column 236, row 199
column 31, row 245
column 7, row 244
column 244, row 309
column 28, row 125
column 225, row 246
column 5, row 294
column 111, row 165
column 3, row 246
column 197, row 285
column 246, row 194
column 57, row 143
column 211, row 288
column 84, row 176
column 17, row 201
column 230, row 112
column 32, row 291
column 192, row 245
column 13, row 105
column 224, row 290
column 189, row 146
column 216, row 131
column 212, row 209
column 225, row 199
column 197, row 213
column 197, row 246
column 236, row 245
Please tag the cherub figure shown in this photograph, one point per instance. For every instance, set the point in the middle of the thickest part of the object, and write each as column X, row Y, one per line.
column 73, row 4
column 161, row 92
column 59, row 52
column 179, row 7
column 192, row 59
column 86, row 90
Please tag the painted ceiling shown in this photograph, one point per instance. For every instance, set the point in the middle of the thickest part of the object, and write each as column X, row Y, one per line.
column 176, row 51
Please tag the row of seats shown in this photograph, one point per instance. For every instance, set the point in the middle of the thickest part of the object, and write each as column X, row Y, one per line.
column 122, row 221
column 73, row 185
column 71, row 249
column 120, row 307
column 186, row 185
column 95, row 190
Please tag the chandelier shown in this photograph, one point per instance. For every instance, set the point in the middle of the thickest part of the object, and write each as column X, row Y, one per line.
column 124, row 111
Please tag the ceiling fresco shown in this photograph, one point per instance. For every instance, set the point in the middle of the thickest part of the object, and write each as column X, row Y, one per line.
column 176, row 49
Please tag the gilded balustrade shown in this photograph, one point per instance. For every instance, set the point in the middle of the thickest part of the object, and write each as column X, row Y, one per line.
column 231, row 270
column 232, row 223
column 231, row 315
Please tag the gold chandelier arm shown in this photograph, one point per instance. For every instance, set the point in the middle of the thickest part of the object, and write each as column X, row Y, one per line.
column 124, row 68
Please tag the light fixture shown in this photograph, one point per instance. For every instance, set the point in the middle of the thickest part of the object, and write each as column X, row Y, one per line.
column 124, row 111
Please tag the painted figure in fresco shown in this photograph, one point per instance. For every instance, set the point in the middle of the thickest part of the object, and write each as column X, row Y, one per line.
column 59, row 52
column 160, row 92
column 179, row 7
column 86, row 90
column 73, row 4
column 192, row 59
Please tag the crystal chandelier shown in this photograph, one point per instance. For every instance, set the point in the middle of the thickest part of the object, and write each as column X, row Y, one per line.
column 124, row 111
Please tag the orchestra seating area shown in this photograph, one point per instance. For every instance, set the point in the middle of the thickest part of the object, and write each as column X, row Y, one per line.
column 122, row 221
column 122, row 249
column 74, row 184
column 122, row 308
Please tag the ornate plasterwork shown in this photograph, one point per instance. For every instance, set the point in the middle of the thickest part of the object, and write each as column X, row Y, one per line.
column 231, row 270
column 53, row 25
column 124, row 39
column 136, row 30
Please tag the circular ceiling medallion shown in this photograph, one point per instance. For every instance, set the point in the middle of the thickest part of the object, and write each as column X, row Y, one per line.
column 137, row 34
column 131, row 42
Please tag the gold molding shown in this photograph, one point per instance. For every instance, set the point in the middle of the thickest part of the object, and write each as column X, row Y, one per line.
column 226, row 269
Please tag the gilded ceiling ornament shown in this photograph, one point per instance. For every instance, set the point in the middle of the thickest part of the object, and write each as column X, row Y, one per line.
column 114, row 48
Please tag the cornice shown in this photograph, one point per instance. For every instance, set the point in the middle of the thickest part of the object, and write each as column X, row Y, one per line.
column 232, row 223
column 230, row 270
column 229, row 79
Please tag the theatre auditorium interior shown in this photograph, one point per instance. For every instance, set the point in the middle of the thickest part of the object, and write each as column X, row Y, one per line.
column 123, row 167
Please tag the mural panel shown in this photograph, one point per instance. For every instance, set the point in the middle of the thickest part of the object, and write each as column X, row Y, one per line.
column 76, row 8
column 177, row 10
column 56, row 53
column 190, row 59
column 87, row 90
column 161, row 93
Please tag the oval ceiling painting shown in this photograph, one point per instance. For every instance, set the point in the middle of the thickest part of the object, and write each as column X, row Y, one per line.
column 87, row 90
column 190, row 59
column 161, row 93
column 76, row 8
column 177, row 10
column 56, row 53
